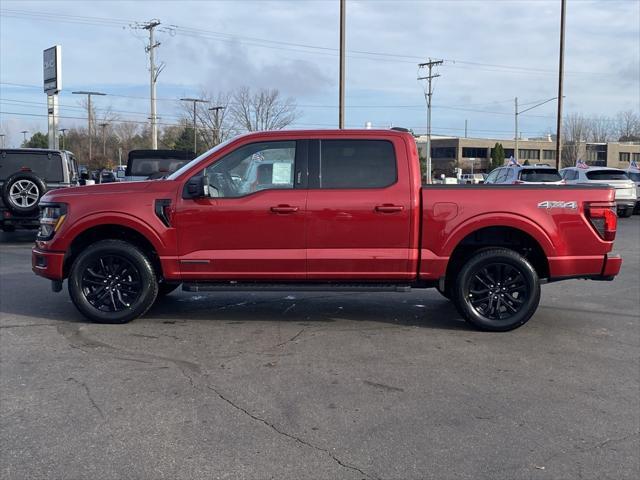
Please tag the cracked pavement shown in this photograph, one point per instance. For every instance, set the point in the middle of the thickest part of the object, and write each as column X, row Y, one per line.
column 320, row 385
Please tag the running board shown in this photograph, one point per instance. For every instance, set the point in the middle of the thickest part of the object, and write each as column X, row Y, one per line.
column 293, row 287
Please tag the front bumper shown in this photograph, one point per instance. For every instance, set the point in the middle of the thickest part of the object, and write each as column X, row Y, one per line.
column 47, row 264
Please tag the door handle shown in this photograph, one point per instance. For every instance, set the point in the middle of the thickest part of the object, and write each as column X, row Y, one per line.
column 284, row 209
column 389, row 208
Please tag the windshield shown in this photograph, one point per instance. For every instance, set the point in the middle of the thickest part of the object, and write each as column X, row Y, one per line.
column 540, row 175
column 196, row 160
column 607, row 175
column 635, row 176
column 149, row 166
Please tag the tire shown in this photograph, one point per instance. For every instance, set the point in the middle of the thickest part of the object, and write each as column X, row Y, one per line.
column 493, row 272
column 22, row 191
column 114, row 262
column 165, row 289
column 626, row 213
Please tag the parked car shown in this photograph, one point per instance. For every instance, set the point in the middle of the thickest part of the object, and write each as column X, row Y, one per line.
column 26, row 174
column 525, row 174
column 153, row 164
column 634, row 175
column 343, row 210
column 107, row 176
column 472, row 178
column 626, row 195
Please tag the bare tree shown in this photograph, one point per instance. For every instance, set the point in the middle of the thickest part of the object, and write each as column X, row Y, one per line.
column 627, row 126
column 263, row 110
column 575, row 130
column 601, row 129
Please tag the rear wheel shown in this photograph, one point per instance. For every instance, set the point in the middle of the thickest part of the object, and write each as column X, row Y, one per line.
column 112, row 281
column 497, row 290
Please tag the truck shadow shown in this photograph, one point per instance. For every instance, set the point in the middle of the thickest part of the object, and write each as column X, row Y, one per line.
column 18, row 237
column 24, row 295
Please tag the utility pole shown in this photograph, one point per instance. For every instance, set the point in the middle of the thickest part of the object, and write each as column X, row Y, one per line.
column 428, row 94
column 62, row 130
column 465, row 128
column 343, row 9
column 24, row 136
column 515, row 151
column 104, row 138
column 154, row 72
column 89, row 114
column 560, row 79
column 2, row 135
column 216, row 124
column 195, row 134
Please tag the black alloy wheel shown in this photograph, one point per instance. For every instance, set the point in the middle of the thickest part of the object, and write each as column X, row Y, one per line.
column 112, row 281
column 497, row 289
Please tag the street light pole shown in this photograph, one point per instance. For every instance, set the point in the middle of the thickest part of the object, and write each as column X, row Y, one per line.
column 62, row 130
column 515, row 153
column 195, row 135
column 2, row 135
column 89, row 112
column 24, row 136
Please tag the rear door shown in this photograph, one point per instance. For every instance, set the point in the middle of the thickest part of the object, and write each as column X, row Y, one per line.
column 358, row 210
column 255, row 227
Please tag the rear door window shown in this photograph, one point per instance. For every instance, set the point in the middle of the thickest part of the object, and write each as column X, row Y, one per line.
column 607, row 175
column 357, row 164
column 46, row 165
column 540, row 175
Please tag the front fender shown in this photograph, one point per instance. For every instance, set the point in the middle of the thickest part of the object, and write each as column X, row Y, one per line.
column 97, row 219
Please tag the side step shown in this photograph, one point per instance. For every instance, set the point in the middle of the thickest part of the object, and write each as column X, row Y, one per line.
column 293, row 287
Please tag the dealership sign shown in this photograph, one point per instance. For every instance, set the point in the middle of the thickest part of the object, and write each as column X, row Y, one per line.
column 52, row 60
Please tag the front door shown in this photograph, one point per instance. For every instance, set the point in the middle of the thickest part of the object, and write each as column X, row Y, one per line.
column 252, row 225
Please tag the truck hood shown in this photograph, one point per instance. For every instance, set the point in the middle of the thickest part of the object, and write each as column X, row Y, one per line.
column 118, row 188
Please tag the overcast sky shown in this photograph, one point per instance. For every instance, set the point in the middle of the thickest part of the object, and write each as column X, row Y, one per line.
column 494, row 50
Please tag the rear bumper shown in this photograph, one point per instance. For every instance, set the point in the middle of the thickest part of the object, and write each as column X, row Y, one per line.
column 48, row 264
column 7, row 218
column 626, row 203
column 591, row 268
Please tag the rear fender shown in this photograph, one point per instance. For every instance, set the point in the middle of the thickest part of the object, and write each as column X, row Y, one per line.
column 499, row 220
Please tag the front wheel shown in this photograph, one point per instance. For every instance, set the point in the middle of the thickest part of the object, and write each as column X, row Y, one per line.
column 112, row 281
column 497, row 290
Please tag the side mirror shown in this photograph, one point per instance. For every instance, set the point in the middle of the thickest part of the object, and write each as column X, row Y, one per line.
column 198, row 187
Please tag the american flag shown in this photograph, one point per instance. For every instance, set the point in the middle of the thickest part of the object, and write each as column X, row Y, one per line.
column 512, row 162
column 581, row 164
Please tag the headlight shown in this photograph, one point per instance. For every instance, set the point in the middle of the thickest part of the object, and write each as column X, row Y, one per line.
column 51, row 218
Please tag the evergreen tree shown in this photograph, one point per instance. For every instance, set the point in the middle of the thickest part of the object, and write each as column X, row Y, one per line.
column 497, row 156
column 37, row 140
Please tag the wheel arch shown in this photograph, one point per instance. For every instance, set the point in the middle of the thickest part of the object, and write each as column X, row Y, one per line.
column 510, row 235
column 141, row 237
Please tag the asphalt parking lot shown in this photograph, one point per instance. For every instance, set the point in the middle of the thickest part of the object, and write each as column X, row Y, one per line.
column 320, row 386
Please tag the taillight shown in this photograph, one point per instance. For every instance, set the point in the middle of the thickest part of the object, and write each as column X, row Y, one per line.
column 604, row 219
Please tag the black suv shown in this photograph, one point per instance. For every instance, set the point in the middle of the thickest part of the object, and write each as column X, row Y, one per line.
column 25, row 175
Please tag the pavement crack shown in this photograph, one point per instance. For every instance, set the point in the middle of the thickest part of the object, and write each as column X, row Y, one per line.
column 291, row 339
column 289, row 435
column 88, row 392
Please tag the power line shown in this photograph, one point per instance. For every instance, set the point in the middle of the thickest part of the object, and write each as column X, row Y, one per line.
column 277, row 44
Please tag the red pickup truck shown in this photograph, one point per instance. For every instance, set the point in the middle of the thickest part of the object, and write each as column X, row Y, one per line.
column 317, row 210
